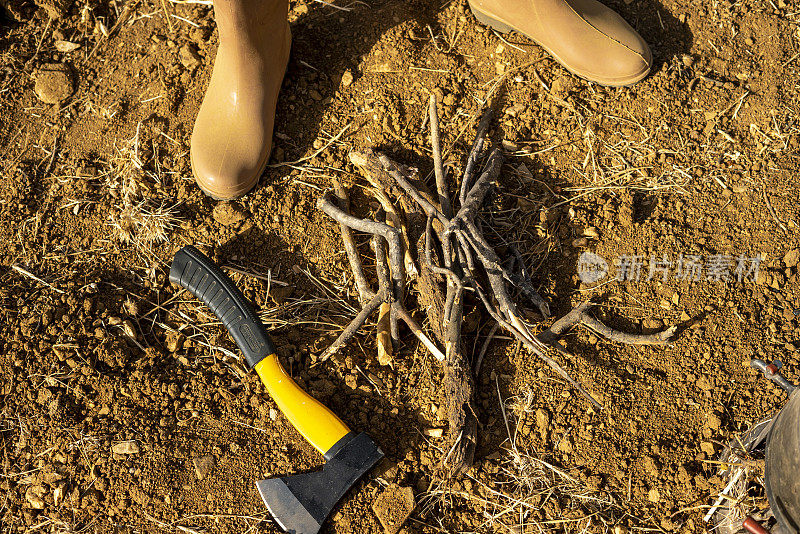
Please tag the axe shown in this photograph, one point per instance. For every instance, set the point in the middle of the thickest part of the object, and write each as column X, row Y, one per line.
column 299, row 503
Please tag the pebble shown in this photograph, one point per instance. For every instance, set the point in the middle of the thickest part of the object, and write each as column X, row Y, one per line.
column 53, row 83
column 203, row 466
column 591, row 232
column 189, row 57
column 688, row 60
column 228, row 214
column 58, row 495
column 125, row 447
column 654, row 495
column 713, row 422
column 791, row 258
column 35, row 496
column 67, row 46
column 434, row 432
column 542, row 420
column 347, row 78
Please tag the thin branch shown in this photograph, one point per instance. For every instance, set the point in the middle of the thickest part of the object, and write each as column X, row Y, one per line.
column 354, row 326
column 580, row 315
column 357, row 268
column 438, row 167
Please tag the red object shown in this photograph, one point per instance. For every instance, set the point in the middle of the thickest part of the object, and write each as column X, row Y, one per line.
column 772, row 368
column 754, row 527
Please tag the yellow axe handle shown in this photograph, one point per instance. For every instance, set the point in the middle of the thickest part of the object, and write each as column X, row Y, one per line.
column 192, row 270
column 311, row 418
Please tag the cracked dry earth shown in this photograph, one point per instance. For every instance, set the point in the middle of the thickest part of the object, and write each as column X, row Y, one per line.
column 123, row 405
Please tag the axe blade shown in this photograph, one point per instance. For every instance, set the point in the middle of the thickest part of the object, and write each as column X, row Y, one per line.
column 300, row 503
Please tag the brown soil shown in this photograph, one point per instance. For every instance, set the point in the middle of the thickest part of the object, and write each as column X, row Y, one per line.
column 699, row 158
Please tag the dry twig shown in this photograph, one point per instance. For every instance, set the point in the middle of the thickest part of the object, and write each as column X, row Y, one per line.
column 455, row 258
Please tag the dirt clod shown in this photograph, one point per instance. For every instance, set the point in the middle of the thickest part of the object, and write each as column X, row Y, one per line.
column 203, row 466
column 393, row 507
column 53, row 83
column 228, row 213
column 189, row 57
column 791, row 258
column 125, row 447
column 35, row 496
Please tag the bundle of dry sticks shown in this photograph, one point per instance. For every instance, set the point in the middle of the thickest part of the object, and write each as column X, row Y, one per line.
column 445, row 254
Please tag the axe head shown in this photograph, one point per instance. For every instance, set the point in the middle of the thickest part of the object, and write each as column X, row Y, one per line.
column 300, row 503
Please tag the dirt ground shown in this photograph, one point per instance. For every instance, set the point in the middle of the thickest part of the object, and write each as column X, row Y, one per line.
column 96, row 196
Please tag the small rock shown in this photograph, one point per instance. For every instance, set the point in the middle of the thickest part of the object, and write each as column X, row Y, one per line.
column 704, row 384
column 189, row 57
column 563, row 86
column 386, row 469
column 174, row 341
column 434, row 432
column 58, row 495
column 125, row 447
column 67, row 46
column 347, row 78
column 228, row 214
column 203, row 466
column 35, row 496
column 713, row 422
column 654, row 495
column 542, row 420
column 688, row 60
column 792, row 257
column 313, row 93
column 393, row 507
column 53, row 83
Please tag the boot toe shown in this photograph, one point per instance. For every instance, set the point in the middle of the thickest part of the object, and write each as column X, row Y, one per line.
column 625, row 67
column 223, row 170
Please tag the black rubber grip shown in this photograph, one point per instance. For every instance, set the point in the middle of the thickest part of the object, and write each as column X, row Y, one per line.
column 192, row 270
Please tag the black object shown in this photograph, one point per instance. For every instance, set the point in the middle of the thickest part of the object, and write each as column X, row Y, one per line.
column 782, row 475
column 300, row 503
column 192, row 270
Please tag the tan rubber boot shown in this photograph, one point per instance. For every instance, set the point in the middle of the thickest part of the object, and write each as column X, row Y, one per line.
column 585, row 36
column 232, row 136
